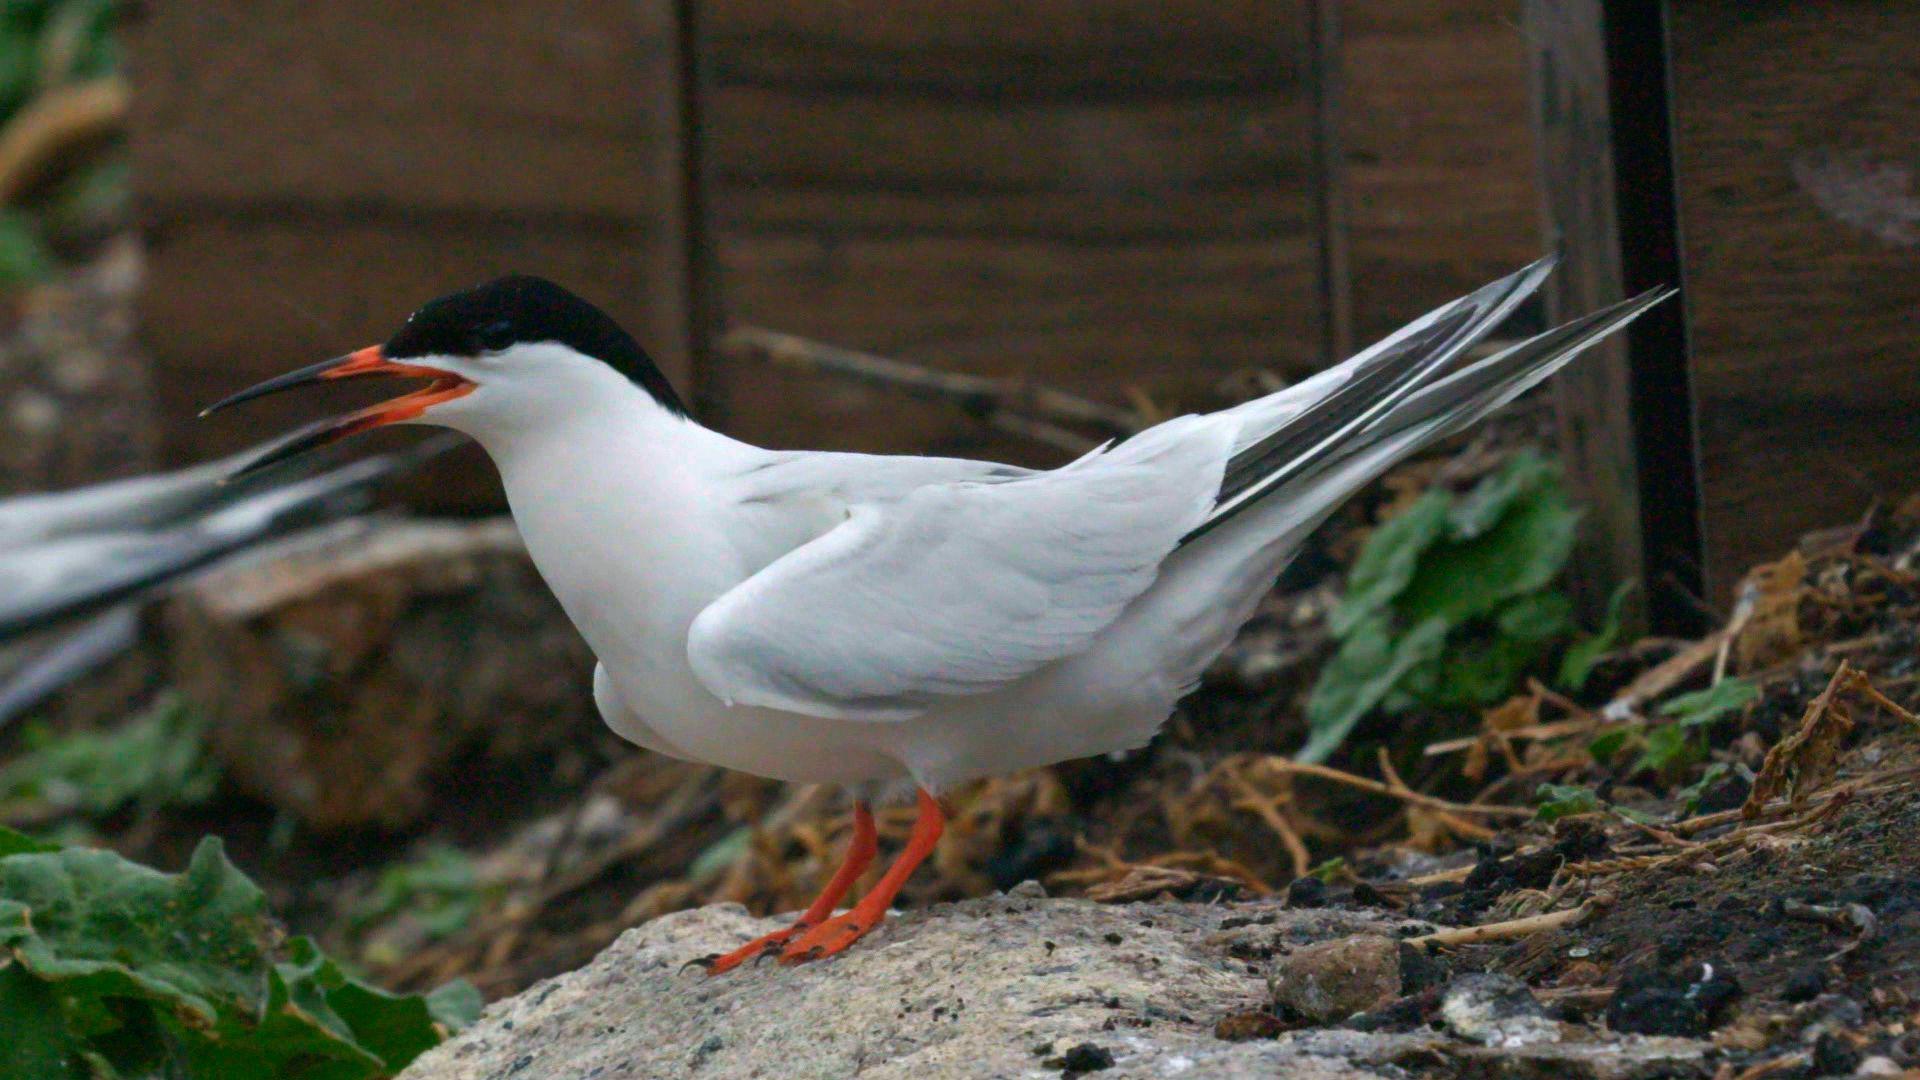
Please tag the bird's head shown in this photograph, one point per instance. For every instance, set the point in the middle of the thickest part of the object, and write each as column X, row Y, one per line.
column 514, row 352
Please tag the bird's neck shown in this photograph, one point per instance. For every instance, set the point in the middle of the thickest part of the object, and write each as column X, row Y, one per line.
column 614, row 443
column 617, row 508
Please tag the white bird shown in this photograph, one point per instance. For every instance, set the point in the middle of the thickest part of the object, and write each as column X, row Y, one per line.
column 863, row 620
column 82, row 562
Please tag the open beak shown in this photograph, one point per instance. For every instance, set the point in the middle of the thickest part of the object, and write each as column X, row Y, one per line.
column 444, row 386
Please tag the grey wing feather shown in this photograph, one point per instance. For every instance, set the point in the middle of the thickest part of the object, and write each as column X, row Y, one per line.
column 1376, row 382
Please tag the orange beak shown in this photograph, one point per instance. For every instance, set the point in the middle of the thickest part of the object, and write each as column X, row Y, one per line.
column 445, row 386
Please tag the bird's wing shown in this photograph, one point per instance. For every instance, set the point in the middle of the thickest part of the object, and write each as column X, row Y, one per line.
column 959, row 587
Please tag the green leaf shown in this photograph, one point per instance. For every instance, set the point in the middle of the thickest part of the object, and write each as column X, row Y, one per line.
column 1578, row 664
column 1606, row 745
column 1521, row 477
column 36, row 1044
column 456, row 1005
column 1387, row 561
column 1724, row 698
column 1359, row 677
column 1521, row 552
column 19, row 843
column 1329, row 870
column 1481, row 664
column 1563, row 800
column 24, row 257
column 440, row 889
column 101, row 926
column 1536, row 618
column 158, row 975
column 1630, row 814
column 1449, row 604
column 393, row 1028
column 1670, row 750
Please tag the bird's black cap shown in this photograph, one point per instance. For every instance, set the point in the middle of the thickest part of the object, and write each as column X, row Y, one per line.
column 520, row 310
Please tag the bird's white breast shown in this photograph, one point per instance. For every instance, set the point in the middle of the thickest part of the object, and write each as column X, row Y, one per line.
column 636, row 538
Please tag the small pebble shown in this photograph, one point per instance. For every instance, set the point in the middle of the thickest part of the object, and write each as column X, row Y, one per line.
column 1082, row 1059
column 1805, row 985
column 1307, row 892
column 1495, row 1010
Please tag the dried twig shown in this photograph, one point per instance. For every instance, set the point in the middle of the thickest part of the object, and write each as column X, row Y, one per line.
column 1663, row 677
column 1034, row 412
column 1267, row 809
column 1514, row 928
column 53, row 126
column 1805, row 761
column 1414, row 798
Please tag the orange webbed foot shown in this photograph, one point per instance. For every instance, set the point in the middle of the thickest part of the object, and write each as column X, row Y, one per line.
column 721, row 963
column 860, row 851
column 831, row 937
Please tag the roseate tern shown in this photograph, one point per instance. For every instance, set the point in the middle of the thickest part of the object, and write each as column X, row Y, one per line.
column 862, row 620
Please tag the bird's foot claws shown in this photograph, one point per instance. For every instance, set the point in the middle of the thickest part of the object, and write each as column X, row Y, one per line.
column 828, row 938
column 757, row 949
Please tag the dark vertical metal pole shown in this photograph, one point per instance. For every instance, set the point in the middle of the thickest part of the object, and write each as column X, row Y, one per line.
column 1626, row 409
column 1666, row 437
column 701, row 275
column 1329, row 190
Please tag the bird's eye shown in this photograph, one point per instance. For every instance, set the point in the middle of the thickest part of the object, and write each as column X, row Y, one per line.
column 494, row 336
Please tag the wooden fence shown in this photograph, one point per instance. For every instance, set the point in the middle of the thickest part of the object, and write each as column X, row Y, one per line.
column 1122, row 196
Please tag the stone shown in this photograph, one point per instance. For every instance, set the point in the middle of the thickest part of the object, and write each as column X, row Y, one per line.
column 1333, row 980
column 992, row 987
column 966, row 989
column 1688, row 1001
column 1495, row 1010
column 354, row 674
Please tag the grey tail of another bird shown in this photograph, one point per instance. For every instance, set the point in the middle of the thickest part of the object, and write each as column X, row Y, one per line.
column 1398, row 396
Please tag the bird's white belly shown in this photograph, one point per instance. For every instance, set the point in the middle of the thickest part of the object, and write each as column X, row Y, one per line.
column 1093, row 703
column 634, row 614
column 692, row 723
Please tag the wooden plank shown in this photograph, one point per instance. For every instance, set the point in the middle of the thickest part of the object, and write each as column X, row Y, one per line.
column 1626, row 429
column 1794, row 134
column 308, row 173
column 1106, row 196
column 528, row 108
column 1438, row 157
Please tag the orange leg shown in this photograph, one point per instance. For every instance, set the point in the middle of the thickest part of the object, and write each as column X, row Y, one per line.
column 860, row 852
column 843, row 930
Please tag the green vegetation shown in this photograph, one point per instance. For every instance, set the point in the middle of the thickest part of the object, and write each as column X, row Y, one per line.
column 440, row 889
column 158, row 758
column 114, row 970
column 1670, row 750
column 46, row 45
column 1451, row 602
column 1565, row 800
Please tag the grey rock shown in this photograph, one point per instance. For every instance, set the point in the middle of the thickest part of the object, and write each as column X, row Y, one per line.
column 994, row 987
column 990, row 987
column 1332, row 980
column 1495, row 1010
